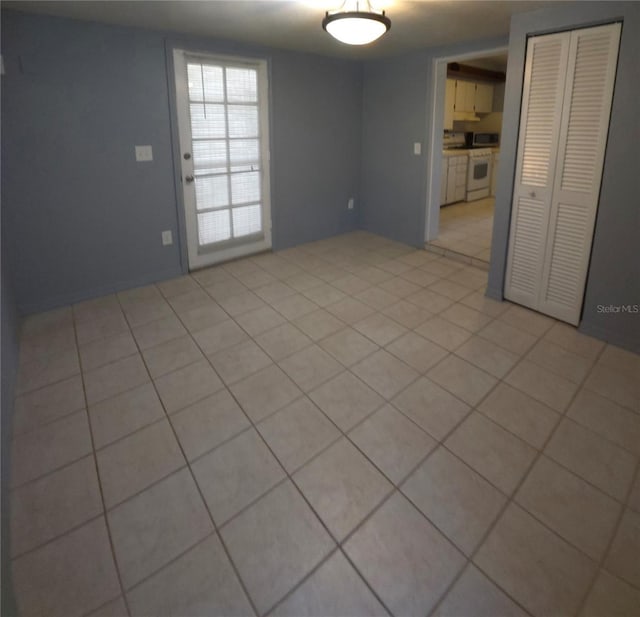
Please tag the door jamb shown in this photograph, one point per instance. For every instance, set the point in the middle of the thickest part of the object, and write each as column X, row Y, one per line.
column 436, row 126
column 181, row 236
column 169, row 48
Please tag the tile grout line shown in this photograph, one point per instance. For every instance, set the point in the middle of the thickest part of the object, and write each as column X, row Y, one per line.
column 600, row 563
column 605, row 553
column 211, row 534
column 336, row 550
column 99, row 479
column 561, row 415
column 289, row 478
column 52, row 471
column 510, row 497
column 315, row 456
column 193, row 478
column 306, row 394
column 511, row 500
column 68, row 531
column 378, row 506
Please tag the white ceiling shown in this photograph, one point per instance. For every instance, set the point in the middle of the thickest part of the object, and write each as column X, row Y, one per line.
column 295, row 24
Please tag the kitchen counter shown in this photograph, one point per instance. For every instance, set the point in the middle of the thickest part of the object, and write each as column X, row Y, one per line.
column 455, row 152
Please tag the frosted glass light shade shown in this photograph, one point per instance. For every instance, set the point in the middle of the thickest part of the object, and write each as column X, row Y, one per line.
column 356, row 27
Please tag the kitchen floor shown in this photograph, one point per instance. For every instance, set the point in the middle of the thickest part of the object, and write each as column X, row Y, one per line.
column 344, row 428
column 466, row 229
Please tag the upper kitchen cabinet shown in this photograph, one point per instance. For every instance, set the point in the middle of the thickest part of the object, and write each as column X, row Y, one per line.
column 449, row 104
column 464, row 99
column 465, row 96
column 483, row 101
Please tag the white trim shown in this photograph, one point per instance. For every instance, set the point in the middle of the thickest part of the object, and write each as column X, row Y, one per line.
column 438, row 87
column 197, row 259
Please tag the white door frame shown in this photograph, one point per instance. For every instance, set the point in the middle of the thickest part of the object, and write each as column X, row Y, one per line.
column 199, row 260
column 434, row 169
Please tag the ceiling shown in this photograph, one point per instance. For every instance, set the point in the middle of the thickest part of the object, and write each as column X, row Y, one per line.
column 295, row 24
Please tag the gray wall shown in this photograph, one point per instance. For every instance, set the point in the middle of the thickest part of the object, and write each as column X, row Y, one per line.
column 9, row 365
column 315, row 147
column 394, row 116
column 83, row 217
column 397, row 112
column 614, row 272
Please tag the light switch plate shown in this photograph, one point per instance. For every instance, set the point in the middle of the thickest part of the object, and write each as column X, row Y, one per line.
column 167, row 238
column 144, row 153
column 417, row 148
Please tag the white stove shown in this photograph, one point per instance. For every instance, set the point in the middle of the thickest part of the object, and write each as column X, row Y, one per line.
column 478, row 169
column 479, row 173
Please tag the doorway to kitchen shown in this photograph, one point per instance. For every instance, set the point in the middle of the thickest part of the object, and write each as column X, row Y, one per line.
column 464, row 154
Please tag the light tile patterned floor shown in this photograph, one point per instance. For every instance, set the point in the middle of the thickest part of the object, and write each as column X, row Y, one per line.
column 466, row 229
column 344, row 428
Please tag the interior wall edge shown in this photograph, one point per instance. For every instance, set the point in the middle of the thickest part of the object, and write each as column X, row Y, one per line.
column 495, row 293
column 9, row 364
column 611, row 336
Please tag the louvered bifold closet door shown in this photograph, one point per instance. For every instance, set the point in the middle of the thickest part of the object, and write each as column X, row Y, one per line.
column 566, row 105
column 542, row 99
column 593, row 54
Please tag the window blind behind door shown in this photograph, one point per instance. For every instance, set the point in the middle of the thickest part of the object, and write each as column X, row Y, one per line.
column 225, row 129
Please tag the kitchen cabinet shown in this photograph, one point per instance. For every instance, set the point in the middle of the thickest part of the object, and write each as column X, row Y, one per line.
column 483, row 102
column 449, row 105
column 466, row 97
column 453, row 182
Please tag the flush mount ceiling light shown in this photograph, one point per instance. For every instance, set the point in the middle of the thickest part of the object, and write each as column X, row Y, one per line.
column 356, row 27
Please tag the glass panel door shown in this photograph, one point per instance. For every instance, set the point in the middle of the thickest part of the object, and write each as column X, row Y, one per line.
column 224, row 141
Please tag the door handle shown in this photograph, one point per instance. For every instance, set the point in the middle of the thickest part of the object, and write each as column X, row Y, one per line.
column 188, row 179
column 532, row 194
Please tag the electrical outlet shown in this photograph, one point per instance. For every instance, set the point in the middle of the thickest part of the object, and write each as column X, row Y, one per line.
column 144, row 153
column 350, row 204
column 417, row 148
column 167, row 238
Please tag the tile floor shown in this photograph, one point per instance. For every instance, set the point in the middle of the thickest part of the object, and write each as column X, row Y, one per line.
column 345, row 428
column 466, row 229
